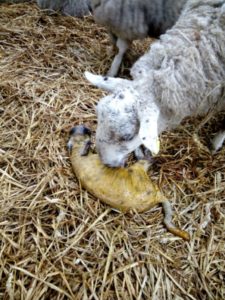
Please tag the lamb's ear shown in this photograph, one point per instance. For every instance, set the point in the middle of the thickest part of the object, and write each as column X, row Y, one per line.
column 109, row 84
column 148, row 132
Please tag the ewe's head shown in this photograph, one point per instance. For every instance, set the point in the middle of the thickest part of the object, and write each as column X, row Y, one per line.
column 124, row 120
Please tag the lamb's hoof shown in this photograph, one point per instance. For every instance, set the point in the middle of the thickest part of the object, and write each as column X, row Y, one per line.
column 69, row 146
column 80, row 130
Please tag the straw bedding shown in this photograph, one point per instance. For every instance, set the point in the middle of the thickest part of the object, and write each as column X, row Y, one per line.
column 59, row 242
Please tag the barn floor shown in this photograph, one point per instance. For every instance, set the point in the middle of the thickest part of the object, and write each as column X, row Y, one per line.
column 59, row 242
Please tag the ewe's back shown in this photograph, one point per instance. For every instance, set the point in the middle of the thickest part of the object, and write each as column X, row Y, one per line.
column 132, row 19
column 76, row 8
column 187, row 64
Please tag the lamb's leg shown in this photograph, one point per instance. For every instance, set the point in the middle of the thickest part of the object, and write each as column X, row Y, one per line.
column 80, row 130
column 86, row 148
column 168, row 222
column 217, row 141
column 122, row 45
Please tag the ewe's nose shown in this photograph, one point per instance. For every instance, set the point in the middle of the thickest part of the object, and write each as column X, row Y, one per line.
column 113, row 163
column 110, row 156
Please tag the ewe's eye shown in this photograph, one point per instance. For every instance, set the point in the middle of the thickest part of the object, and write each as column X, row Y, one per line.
column 126, row 138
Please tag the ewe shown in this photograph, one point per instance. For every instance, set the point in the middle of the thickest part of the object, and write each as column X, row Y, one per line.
column 183, row 74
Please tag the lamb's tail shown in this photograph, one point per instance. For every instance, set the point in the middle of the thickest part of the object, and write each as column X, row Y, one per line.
column 168, row 222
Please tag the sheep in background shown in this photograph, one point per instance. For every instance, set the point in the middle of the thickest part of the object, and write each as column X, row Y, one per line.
column 14, row 1
column 77, row 8
column 182, row 75
column 128, row 20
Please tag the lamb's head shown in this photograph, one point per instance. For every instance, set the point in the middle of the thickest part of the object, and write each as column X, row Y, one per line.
column 124, row 120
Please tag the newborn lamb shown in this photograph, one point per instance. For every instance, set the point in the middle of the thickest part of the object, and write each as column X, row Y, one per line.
column 126, row 189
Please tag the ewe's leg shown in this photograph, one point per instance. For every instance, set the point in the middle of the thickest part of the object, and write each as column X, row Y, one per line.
column 217, row 141
column 122, row 45
column 113, row 38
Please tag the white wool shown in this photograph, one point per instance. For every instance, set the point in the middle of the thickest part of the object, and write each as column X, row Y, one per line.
column 185, row 69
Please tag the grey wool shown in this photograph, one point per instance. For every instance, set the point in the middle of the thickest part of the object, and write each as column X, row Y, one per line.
column 77, row 8
column 14, row 1
column 128, row 20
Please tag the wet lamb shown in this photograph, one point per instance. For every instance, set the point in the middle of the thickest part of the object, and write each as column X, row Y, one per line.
column 182, row 75
column 125, row 189
column 128, row 20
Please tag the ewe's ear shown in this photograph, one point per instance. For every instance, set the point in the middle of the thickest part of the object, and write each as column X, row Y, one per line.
column 148, row 132
column 106, row 83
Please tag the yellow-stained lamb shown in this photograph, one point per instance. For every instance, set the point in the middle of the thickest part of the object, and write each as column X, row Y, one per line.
column 125, row 189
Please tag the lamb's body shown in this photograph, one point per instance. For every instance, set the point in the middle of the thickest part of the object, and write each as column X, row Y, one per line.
column 125, row 189
column 76, row 8
column 182, row 75
column 128, row 20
